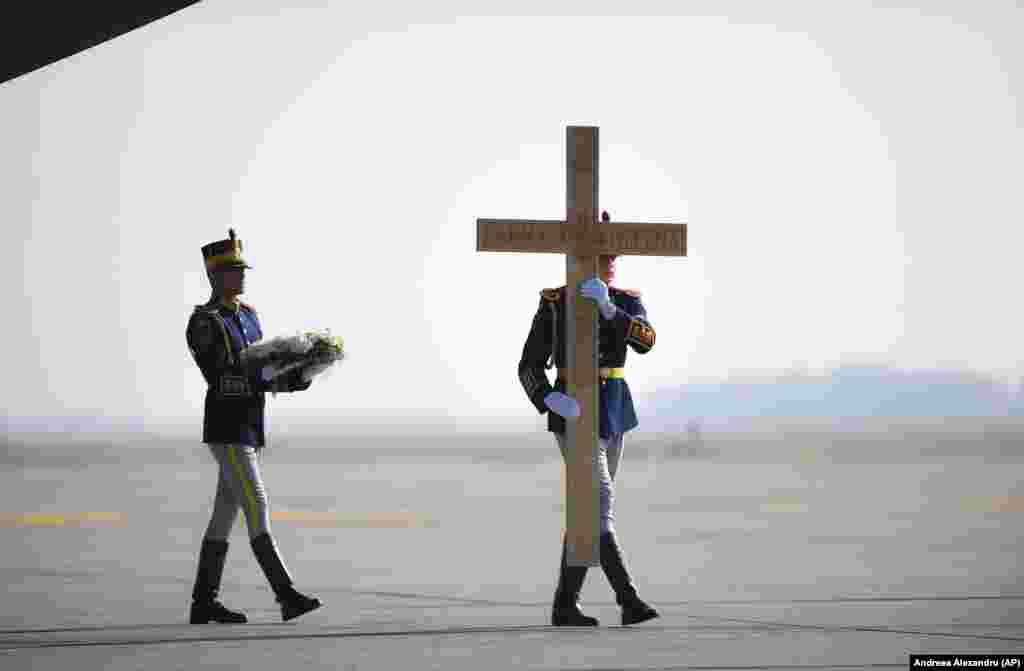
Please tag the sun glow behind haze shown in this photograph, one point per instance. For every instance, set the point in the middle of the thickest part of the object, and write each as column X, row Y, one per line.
column 844, row 206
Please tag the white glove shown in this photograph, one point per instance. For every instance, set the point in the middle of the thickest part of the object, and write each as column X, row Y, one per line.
column 563, row 405
column 597, row 291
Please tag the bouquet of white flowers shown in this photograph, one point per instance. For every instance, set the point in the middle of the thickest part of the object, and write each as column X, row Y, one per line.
column 312, row 351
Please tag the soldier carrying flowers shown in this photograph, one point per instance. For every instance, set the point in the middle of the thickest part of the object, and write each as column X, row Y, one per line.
column 218, row 335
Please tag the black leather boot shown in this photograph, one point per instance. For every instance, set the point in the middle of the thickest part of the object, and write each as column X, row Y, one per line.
column 205, row 607
column 565, row 612
column 634, row 610
column 293, row 604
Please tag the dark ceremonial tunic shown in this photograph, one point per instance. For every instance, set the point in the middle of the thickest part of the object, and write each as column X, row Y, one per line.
column 629, row 327
column 235, row 397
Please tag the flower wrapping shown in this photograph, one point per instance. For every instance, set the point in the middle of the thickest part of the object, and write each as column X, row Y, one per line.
column 313, row 351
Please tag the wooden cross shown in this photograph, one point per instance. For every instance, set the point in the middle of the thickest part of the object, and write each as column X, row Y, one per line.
column 582, row 239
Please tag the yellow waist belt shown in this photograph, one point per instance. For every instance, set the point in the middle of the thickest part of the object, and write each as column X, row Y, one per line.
column 603, row 373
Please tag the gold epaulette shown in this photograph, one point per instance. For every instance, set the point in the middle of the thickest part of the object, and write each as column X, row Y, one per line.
column 551, row 294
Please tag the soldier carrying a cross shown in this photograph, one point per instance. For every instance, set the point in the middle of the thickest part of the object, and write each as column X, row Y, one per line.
column 623, row 322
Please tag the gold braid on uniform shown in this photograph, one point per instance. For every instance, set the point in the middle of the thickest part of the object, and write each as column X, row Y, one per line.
column 230, row 383
column 550, row 294
column 210, row 310
column 640, row 331
column 640, row 334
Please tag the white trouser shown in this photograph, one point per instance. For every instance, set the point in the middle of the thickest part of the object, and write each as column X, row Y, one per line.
column 239, row 485
column 608, row 455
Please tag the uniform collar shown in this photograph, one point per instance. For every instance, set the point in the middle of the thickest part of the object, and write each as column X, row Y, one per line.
column 232, row 307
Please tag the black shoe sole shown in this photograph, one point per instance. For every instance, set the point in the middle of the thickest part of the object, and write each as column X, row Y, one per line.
column 212, row 621
column 642, row 618
column 292, row 614
column 194, row 619
column 573, row 620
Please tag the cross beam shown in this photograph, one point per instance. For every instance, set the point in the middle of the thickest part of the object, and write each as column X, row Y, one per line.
column 582, row 239
column 550, row 236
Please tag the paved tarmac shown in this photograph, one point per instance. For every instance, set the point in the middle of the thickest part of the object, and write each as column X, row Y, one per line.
column 442, row 554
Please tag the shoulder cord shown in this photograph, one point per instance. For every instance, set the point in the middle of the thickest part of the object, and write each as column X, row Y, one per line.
column 224, row 332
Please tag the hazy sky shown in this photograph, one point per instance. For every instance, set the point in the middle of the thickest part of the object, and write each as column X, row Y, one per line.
column 850, row 171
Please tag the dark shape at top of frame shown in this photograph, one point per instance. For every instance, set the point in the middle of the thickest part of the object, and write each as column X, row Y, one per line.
column 41, row 33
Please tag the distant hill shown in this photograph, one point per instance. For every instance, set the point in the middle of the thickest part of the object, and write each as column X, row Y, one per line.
column 846, row 392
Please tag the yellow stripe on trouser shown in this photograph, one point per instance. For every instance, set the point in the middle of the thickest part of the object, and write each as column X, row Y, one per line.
column 250, row 498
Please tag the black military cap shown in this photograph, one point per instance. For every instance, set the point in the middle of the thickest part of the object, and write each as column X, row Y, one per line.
column 224, row 254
